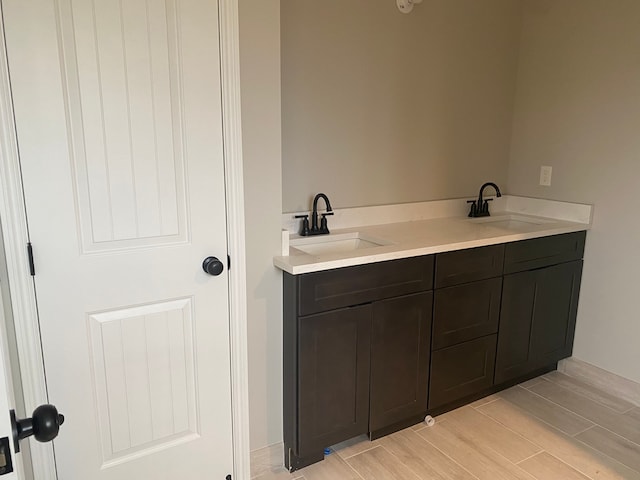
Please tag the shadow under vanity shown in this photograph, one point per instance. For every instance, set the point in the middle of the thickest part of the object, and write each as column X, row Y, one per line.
column 374, row 348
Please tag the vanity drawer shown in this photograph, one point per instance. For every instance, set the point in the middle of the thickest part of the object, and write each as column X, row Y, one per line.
column 462, row 370
column 343, row 287
column 465, row 312
column 464, row 266
column 543, row 252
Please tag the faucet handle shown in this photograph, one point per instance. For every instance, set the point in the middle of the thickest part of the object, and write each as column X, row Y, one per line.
column 323, row 222
column 485, row 205
column 304, row 231
column 474, row 208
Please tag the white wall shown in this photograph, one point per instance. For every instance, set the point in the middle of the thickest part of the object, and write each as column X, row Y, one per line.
column 578, row 109
column 260, row 83
column 380, row 107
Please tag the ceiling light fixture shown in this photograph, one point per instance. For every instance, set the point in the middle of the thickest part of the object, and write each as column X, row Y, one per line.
column 405, row 6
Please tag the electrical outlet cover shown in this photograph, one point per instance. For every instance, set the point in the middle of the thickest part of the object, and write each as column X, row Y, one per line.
column 545, row 176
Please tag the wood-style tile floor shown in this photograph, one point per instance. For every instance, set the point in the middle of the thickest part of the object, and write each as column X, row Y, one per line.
column 550, row 428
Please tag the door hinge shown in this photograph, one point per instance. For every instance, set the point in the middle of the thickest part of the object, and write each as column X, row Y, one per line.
column 228, row 262
column 32, row 266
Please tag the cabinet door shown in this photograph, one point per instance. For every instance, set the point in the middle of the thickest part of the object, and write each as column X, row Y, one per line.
column 400, row 343
column 538, row 318
column 333, row 377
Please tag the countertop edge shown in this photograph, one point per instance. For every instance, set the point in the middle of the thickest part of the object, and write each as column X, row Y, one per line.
column 283, row 263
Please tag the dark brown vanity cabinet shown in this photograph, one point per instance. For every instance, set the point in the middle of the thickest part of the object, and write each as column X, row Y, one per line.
column 539, row 306
column 356, row 353
column 373, row 348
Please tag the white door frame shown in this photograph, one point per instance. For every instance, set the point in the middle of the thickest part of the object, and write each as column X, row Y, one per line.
column 16, row 236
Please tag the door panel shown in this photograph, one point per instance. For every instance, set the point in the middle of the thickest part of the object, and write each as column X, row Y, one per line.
column 147, row 354
column 118, row 115
column 400, row 348
column 538, row 318
column 555, row 313
column 333, row 378
column 123, row 68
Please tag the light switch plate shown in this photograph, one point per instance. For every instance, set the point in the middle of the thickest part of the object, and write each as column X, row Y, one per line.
column 545, row 176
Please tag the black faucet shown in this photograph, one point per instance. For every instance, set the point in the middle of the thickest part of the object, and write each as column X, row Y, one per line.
column 481, row 209
column 323, row 229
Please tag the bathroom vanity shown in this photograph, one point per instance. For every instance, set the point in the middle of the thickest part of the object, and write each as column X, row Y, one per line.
column 373, row 347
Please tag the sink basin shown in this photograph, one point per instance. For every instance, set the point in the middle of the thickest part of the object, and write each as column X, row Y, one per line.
column 338, row 243
column 511, row 222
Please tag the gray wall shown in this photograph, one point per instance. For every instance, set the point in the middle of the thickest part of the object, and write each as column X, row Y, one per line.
column 452, row 80
column 380, row 107
column 578, row 109
column 260, row 83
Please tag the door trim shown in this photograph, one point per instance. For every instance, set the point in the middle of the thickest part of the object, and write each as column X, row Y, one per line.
column 16, row 236
column 232, row 147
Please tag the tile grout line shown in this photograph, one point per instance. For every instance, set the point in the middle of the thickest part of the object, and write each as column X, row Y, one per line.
column 586, row 429
column 615, row 460
column 529, row 414
column 371, row 447
column 352, row 467
column 501, row 455
column 417, row 474
column 518, row 433
column 571, row 466
column 587, row 419
column 530, row 457
column 611, row 432
column 561, row 406
column 446, row 455
column 475, row 407
column 587, row 397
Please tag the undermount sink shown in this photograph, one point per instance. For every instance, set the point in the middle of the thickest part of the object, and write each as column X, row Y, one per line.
column 336, row 243
column 511, row 222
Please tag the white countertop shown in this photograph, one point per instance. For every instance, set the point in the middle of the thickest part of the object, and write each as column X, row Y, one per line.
column 423, row 237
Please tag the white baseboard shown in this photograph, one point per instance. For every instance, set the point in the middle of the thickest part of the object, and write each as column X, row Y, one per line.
column 267, row 459
column 610, row 382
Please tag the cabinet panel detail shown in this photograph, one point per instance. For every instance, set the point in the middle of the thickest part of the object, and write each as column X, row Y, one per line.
column 462, row 370
column 463, row 266
column 537, row 325
column 543, row 252
column 333, row 377
column 400, row 341
column 465, row 312
column 339, row 288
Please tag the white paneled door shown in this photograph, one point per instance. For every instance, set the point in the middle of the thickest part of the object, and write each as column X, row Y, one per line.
column 119, row 127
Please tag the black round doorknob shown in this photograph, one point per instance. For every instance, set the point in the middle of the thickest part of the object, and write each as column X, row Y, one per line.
column 212, row 266
column 44, row 425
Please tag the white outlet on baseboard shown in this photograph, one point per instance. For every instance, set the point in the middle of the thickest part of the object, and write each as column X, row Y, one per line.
column 545, row 176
